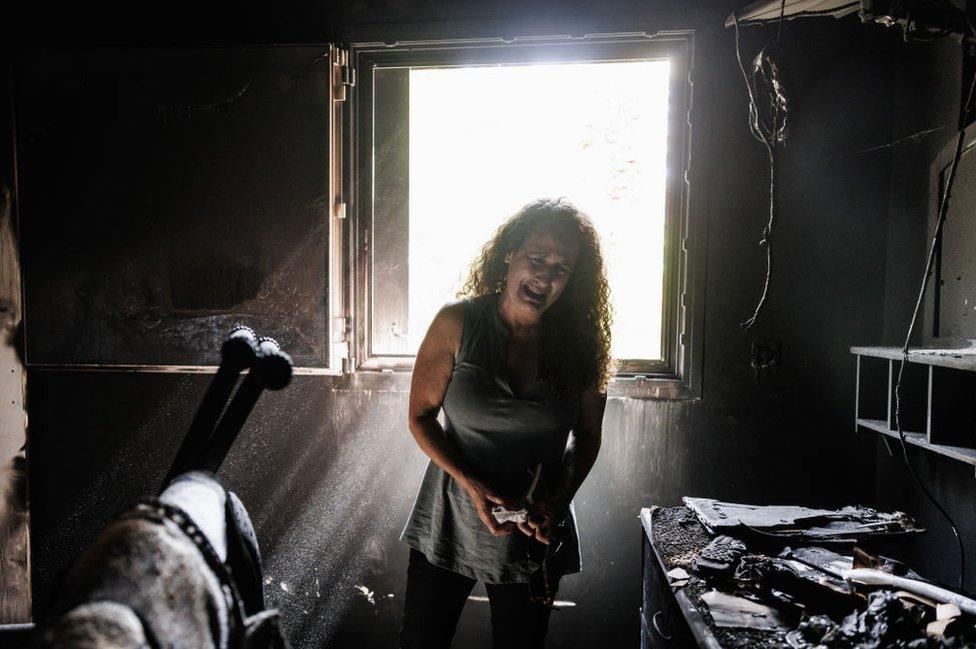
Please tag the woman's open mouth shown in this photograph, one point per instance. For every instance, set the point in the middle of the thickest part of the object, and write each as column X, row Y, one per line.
column 537, row 298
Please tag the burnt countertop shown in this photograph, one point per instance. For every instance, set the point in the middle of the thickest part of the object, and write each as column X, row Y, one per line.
column 677, row 538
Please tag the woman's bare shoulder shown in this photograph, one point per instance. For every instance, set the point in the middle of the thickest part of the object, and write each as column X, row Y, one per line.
column 447, row 325
column 454, row 311
column 451, row 315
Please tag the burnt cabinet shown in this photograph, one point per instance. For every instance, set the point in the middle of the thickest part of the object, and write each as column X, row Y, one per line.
column 667, row 615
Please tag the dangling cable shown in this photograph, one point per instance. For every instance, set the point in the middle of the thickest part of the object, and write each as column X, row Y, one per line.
column 929, row 264
column 782, row 14
column 771, row 133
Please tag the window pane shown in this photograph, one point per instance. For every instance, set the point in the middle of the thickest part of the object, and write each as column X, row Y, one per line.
column 389, row 232
column 486, row 140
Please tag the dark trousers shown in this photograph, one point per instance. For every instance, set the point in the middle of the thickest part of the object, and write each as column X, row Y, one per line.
column 434, row 600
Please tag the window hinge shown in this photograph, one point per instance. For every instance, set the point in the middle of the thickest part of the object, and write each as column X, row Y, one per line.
column 341, row 332
column 348, row 72
column 339, row 210
column 345, row 77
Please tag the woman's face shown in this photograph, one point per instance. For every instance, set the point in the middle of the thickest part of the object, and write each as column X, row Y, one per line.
column 540, row 269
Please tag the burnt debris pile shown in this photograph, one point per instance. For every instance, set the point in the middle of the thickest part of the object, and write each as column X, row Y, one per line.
column 785, row 576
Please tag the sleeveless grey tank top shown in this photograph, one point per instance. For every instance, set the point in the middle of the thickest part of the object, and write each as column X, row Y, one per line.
column 504, row 438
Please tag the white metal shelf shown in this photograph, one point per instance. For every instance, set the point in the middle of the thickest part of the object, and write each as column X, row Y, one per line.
column 961, row 453
column 938, row 400
column 958, row 359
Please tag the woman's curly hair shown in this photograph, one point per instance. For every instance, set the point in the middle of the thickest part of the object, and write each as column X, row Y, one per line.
column 574, row 338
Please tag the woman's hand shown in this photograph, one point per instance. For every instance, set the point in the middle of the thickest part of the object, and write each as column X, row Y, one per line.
column 543, row 516
column 484, row 498
column 581, row 451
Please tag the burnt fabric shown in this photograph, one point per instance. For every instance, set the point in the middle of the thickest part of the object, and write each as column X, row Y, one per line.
column 503, row 437
column 434, row 600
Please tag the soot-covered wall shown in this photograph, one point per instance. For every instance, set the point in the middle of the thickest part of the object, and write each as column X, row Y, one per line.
column 927, row 98
column 141, row 167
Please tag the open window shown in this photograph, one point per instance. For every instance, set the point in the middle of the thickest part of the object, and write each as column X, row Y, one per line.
column 448, row 139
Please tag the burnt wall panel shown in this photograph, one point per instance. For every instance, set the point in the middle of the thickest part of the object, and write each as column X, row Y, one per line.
column 167, row 195
column 956, row 277
column 925, row 114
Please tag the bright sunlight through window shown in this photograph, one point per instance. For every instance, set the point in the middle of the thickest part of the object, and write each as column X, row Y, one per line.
column 486, row 140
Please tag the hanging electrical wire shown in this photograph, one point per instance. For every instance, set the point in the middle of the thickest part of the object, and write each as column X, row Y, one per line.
column 768, row 124
column 929, row 264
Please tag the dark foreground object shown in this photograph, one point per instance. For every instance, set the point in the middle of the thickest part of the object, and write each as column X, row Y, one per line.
column 182, row 569
column 166, row 575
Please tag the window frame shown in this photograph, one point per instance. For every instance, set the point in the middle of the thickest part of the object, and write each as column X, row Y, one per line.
column 673, row 376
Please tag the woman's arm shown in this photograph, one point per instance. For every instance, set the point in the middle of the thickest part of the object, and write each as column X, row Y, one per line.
column 582, row 449
column 431, row 375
